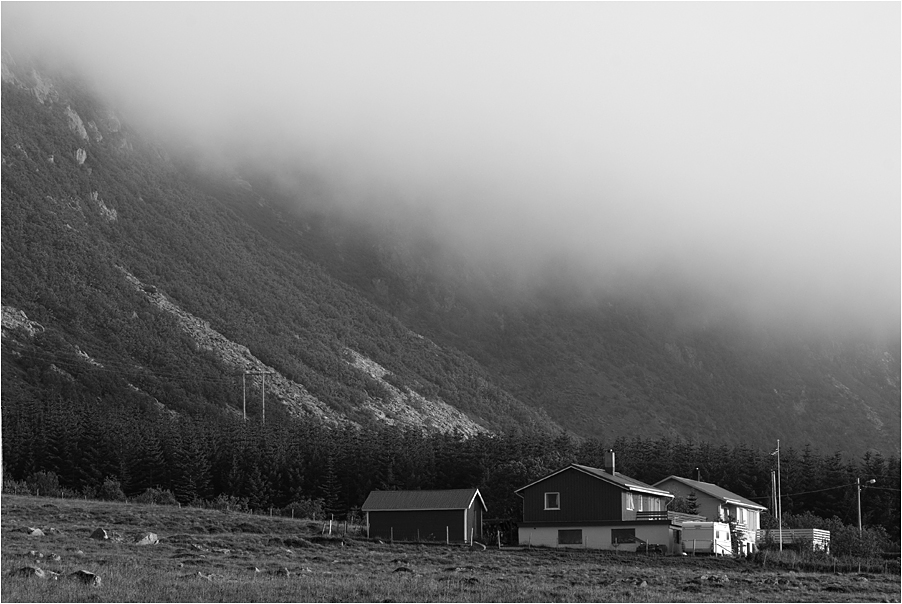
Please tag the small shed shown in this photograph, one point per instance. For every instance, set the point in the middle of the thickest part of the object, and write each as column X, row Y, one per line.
column 452, row 516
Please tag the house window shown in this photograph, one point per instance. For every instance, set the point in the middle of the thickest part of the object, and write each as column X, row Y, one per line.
column 742, row 515
column 641, row 502
column 552, row 501
column 570, row 537
column 629, row 501
column 623, row 535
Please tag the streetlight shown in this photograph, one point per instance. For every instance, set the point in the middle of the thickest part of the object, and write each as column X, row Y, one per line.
column 858, row 488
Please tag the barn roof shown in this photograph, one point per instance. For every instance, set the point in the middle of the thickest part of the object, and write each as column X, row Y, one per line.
column 450, row 499
column 715, row 491
column 624, row 482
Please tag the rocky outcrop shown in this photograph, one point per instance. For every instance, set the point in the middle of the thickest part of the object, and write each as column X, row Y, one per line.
column 94, row 132
column 112, row 123
column 75, row 124
column 8, row 76
column 43, row 88
column 289, row 393
column 14, row 318
column 80, row 156
column 411, row 409
column 107, row 213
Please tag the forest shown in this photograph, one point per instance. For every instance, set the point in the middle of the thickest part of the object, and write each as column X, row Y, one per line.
column 289, row 463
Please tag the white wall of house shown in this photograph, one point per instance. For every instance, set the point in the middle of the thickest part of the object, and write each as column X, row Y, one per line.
column 715, row 510
column 597, row 537
column 750, row 518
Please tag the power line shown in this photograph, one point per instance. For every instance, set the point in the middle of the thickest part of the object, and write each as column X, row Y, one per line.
column 842, row 486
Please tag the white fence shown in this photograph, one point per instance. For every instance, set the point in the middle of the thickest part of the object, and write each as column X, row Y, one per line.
column 813, row 538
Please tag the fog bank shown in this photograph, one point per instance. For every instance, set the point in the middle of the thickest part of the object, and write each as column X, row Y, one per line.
column 750, row 150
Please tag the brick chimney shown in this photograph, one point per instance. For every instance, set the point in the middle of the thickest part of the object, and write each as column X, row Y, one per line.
column 609, row 464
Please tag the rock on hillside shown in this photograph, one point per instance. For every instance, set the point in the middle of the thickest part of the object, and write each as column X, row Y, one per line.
column 236, row 356
column 410, row 408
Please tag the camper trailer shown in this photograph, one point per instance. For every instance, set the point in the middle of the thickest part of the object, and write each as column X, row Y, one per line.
column 710, row 538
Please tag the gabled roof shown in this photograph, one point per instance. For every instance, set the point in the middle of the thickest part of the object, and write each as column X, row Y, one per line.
column 451, row 499
column 715, row 491
column 624, row 482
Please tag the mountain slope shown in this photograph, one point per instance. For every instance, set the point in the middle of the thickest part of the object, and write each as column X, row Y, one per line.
column 174, row 278
column 645, row 361
column 87, row 218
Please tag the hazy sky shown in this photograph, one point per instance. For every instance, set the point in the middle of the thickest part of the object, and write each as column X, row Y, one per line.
column 754, row 145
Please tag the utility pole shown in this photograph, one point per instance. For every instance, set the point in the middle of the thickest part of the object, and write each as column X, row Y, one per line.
column 263, row 375
column 858, row 489
column 779, row 497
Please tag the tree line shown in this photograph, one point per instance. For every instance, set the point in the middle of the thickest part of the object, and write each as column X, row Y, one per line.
column 301, row 464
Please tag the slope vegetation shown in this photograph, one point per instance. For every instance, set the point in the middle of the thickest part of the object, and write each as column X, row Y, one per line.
column 157, row 282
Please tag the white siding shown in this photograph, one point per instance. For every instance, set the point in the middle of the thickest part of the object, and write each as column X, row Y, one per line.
column 596, row 537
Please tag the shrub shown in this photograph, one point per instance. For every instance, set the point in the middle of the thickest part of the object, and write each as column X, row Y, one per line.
column 156, row 496
column 869, row 544
column 15, row 487
column 44, row 483
column 306, row 508
column 229, row 503
column 111, row 490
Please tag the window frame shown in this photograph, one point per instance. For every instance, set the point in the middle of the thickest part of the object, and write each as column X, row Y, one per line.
column 629, row 501
column 571, row 533
column 617, row 534
column 557, row 500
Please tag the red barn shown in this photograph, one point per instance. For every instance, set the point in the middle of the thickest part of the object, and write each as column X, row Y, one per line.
column 452, row 515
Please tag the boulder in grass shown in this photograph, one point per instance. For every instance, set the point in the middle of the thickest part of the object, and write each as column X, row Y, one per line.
column 86, row 577
column 146, row 539
column 100, row 534
column 34, row 532
column 31, row 571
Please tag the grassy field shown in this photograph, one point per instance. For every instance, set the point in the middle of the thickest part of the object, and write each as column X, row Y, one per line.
column 214, row 556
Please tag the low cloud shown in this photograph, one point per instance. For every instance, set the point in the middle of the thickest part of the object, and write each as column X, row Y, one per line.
column 749, row 151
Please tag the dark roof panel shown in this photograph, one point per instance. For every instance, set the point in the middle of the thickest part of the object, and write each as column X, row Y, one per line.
column 451, row 499
column 625, row 482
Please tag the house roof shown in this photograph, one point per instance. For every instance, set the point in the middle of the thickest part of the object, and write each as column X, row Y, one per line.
column 451, row 499
column 624, row 482
column 715, row 491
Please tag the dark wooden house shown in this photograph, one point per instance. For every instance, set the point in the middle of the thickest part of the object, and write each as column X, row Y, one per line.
column 452, row 516
column 581, row 506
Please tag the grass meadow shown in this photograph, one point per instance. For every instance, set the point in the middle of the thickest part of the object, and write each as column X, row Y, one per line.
column 214, row 556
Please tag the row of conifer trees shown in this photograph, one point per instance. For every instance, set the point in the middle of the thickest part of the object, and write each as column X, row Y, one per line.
column 292, row 462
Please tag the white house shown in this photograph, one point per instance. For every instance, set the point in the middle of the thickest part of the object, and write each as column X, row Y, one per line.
column 718, row 504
